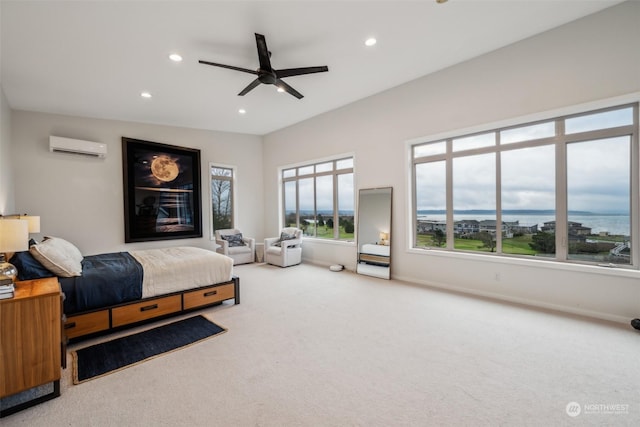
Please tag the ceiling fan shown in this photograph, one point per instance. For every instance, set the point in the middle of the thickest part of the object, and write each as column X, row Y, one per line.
column 266, row 74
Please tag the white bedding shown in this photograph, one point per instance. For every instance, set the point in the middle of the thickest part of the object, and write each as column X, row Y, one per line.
column 373, row 249
column 176, row 269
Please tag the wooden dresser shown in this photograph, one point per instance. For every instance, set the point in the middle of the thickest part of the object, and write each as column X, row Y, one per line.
column 31, row 347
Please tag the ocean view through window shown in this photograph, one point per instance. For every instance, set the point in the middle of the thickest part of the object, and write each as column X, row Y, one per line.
column 564, row 188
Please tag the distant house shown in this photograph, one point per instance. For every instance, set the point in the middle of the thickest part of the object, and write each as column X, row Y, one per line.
column 471, row 226
column 466, row 226
column 577, row 232
column 575, row 228
column 426, row 226
column 515, row 227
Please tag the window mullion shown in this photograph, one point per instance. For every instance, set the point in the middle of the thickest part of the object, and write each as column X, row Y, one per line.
column 298, row 203
column 635, row 192
column 449, row 191
column 562, row 244
column 498, row 161
column 414, row 204
column 336, row 208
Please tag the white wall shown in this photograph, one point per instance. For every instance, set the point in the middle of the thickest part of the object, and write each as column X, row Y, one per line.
column 7, row 201
column 81, row 199
column 591, row 59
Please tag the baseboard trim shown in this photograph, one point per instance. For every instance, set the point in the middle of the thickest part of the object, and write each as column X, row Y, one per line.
column 516, row 300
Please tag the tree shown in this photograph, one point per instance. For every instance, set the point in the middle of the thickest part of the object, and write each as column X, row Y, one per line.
column 291, row 220
column 439, row 237
column 320, row 220
column 221, row 198
column 329, row 223
column 543, row 242
column 348, row 227
column 487, row 240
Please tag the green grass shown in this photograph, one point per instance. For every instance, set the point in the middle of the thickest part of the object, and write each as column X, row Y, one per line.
column 425, row 240
column 470, row 245
column 327, row 233
column 517, row 245
column 610, row 238
column 514, row 246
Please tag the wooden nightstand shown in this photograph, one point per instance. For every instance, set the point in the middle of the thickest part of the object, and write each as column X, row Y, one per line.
column 30, row 342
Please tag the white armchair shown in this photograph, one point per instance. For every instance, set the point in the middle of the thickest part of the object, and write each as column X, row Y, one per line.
column 286, row 250
column 233, row 244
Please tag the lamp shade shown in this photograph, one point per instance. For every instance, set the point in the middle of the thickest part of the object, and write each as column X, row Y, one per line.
column 34, row 223
column 14, row 235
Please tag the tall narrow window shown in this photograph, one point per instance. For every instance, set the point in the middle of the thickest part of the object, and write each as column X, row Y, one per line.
column 474, row 203
column 598, row 200
column 345, row 208
column 528, row 200
column 221, row 197
column 319, row 199
column 307, row 209
column 431, row 204
column 324, row 203
column 290, row 204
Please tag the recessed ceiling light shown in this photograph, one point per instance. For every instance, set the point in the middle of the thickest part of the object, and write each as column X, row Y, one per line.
column 145, row 94
column 280, row 90
column 175, row 57
column 242, row 111
column 441, row 1
column 370, row 41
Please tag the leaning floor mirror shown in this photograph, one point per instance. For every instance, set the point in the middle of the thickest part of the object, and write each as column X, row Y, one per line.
column 374, row 232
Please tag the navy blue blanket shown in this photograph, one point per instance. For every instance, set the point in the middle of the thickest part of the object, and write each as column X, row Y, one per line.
column 107, row 279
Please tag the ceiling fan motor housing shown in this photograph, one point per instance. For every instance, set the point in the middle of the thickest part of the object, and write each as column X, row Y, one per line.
column 267, row 77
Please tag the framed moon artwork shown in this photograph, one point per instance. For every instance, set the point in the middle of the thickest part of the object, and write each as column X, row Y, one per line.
column 162, row 197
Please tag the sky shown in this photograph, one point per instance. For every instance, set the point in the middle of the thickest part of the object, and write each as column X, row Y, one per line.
column 598, row 171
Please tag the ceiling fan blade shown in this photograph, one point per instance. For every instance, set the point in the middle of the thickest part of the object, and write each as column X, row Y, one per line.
column 289, row 72
column 263, row 52
column 249, row 88
column 281, row 84
column 231, row 67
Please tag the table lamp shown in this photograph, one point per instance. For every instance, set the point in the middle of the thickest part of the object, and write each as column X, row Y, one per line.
column 384, row 238
column 14, row 237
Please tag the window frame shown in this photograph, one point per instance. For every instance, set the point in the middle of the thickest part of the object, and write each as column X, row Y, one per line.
column 560, row 141
column 284, row 177
column 232, row 190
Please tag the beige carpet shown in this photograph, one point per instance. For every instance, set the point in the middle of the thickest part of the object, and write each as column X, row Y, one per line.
column 309, row 347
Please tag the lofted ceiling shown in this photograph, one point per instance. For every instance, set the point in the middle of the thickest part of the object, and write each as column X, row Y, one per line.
column 95, row 58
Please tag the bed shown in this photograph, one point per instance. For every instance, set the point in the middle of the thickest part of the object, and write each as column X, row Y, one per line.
column 114, row 290
column 373, row 260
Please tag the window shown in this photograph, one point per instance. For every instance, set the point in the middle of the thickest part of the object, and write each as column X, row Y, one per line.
column 562, row 189
column 318, row 196
column 222, row 196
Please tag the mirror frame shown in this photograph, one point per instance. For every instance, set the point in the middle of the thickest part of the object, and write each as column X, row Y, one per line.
column 374, row 259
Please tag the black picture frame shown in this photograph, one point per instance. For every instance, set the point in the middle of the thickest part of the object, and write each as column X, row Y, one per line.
column 162, row 191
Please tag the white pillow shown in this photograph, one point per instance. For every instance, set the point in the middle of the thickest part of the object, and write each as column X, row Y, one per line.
column 58, row 256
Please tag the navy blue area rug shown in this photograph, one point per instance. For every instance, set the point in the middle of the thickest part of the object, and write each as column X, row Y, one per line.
column 107, row 357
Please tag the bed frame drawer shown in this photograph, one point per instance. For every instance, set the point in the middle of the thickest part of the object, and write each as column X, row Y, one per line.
column 84, row 324
column 208, row 296
column 145, row 310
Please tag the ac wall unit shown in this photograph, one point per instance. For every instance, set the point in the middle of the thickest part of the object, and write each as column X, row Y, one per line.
column 58, row 144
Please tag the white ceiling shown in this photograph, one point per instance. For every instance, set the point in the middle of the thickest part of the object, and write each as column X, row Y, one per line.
column 94, row 58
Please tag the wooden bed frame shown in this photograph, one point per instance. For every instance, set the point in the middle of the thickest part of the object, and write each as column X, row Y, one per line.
column 107, row 319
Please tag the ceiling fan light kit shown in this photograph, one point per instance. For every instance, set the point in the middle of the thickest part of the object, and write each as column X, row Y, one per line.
column 266, row 74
